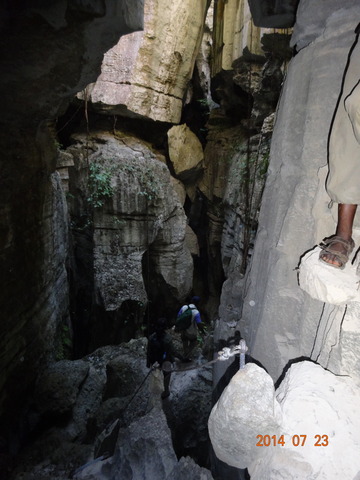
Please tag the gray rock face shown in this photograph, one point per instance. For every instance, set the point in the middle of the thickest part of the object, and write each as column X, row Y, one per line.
column 187, row 412
column 150, row 457
column 109, row 405
column 187, row 468
column 141, row 215
column 59, row 385
column 144, row 450
column 279, row 320
column 49, row 51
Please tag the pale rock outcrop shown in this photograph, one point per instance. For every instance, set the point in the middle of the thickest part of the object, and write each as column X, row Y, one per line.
column 235, row 33
column 192, row 241
column 326, row 283
column 316, row 413
column 185, row 152
column 279, row 320
column 142, row 214
column 246, row 408
column 148, row 73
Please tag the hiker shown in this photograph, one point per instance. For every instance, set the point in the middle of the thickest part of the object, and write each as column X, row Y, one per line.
column 161, row 350
column 190, row 334
column 344, row 164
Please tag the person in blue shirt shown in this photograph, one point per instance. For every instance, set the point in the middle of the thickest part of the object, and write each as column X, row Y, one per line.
column 189, row 336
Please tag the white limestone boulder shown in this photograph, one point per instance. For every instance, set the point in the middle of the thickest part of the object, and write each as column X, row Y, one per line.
column 326, row 283
column 247, row 408
column 325, row 408
column 313, row 417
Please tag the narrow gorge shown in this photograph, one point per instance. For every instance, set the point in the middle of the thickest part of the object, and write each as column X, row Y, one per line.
column 155, row 151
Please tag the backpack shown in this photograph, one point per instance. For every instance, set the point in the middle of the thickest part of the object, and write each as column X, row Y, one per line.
column 184, row 320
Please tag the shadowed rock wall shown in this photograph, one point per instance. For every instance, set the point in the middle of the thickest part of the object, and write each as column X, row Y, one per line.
column 48, row 52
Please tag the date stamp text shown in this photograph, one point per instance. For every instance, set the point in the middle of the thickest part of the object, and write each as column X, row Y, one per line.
column 295, row 440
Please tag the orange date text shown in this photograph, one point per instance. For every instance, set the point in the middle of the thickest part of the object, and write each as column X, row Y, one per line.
column 295, row 440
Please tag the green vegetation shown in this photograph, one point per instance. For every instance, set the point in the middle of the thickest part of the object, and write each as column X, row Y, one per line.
column 100, row 176
column 99, row 184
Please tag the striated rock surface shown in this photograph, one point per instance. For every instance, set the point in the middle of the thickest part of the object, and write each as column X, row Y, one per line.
column 235, row 33
column 49, row 51
column 139, row 225
column 279, row 320
column 148, row 73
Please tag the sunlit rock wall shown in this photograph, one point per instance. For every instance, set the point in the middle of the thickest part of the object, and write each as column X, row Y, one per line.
column 147, row 73
column 234, row 32
column 279, row 320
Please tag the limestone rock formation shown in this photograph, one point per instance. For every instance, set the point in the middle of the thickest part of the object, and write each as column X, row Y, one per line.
column 279, row 320
column 102, row 418
column 148, row 73
column 151, row 456
column 326, row 283
column 49, row 51
column 144, row 451
column 58, row 386
column 246, row 408
column 300, row 432
column 235, row 31
column 187, row 423
column 185, row 152
column 140, row 216
column 322, row 406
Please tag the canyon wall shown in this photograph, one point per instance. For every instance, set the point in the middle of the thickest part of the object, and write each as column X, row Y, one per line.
column 48, row 53
column 279, row 320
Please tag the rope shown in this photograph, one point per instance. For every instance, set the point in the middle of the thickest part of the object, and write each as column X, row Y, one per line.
column 223, row 355
column 141, row 384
